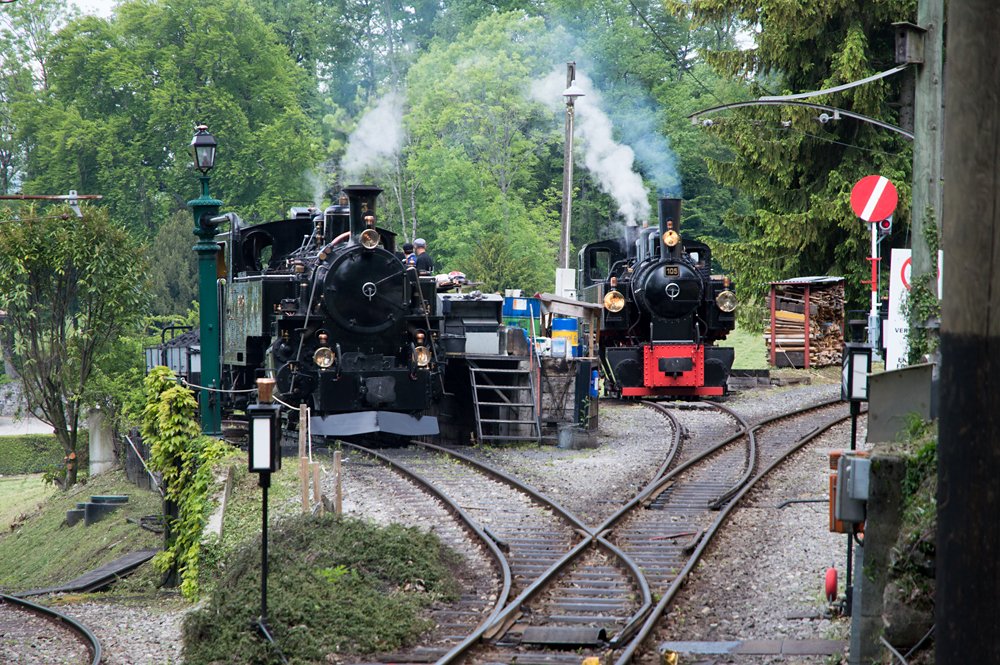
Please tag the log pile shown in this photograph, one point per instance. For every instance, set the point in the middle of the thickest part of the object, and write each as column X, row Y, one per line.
column 826, row 324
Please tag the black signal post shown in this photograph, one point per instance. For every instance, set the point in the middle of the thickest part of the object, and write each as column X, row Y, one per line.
column 854, row 388
column 265, row 458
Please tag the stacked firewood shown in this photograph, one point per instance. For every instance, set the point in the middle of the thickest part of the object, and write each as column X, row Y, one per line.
column 826, row 324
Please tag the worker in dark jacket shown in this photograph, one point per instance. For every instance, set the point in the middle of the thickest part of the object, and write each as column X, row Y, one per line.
column 425, row 264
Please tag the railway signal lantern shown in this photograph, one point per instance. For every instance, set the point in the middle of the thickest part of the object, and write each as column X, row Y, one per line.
column 264, row 449
column 265, row 457
column 854, row 378
column 885, row 226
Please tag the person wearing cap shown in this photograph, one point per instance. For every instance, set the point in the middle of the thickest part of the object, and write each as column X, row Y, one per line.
column 425, row 264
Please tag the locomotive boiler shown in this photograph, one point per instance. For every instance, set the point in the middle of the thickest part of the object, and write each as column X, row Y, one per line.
column 321, row 303
column 663, row 311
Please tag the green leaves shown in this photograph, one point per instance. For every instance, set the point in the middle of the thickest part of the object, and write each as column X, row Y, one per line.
column 71, row 287
column 798, row 171
column 185, row 459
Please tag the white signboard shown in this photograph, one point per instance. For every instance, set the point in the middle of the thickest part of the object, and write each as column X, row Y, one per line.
column 896, row 326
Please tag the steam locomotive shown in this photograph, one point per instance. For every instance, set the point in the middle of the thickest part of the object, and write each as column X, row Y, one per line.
column 663, row 311
column 322, row 303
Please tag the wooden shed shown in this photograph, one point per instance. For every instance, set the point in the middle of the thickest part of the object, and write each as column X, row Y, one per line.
column 806, row 323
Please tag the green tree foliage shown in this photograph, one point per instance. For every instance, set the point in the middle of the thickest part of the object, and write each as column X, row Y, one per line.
column 175, row 284
column 71, row 287
column 800, row 172
column 124, row 94
column 475, row 139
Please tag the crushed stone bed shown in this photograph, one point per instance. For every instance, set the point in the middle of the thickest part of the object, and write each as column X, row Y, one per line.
column 765, row 566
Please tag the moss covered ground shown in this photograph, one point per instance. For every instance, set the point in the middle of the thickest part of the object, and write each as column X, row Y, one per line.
column 336, row 586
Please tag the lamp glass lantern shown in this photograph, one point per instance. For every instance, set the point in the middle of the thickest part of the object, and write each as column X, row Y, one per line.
column 854, row 377
column 264, row 450
column 203, row 149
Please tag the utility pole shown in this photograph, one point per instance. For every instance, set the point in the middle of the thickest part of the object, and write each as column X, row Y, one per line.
column 928, row 114
column 968, row 499
column 567, row 171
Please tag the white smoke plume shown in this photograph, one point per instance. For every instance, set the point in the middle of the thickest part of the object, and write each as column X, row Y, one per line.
column 376, row 139
column 609, row 162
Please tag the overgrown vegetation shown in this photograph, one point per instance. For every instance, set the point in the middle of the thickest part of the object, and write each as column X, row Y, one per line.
column 922, row 306
column 336, row 586
column 911, row 580
column 186, row 459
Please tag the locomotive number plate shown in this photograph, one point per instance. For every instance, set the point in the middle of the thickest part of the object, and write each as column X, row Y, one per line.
column 672, row 271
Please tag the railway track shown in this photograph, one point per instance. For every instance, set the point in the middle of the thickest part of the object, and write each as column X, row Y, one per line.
column 32, row 633
column 569, row 590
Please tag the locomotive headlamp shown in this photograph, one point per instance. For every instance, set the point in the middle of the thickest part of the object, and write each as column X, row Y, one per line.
column 613, row 281
column 726, row 300
column 670, row 238
column 370, row 238
column 422, row 356
column 324, row 357
column 203, row 149
column 614, row 301
column 421, row 337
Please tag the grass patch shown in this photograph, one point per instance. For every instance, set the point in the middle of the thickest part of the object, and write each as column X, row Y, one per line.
column 21, row 495
column 336, row 585
column 241, row 523
column 44, row 551
column 751, row 352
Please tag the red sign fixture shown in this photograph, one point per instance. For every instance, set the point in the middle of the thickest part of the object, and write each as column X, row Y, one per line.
column 874, row 198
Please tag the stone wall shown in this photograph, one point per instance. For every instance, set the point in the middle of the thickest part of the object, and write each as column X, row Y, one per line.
column 10, row 398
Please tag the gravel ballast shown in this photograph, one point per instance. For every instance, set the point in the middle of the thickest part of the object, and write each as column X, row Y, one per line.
column 766, row 566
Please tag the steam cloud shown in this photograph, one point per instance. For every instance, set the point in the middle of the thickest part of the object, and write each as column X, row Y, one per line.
column 610, row 163
column 376, row 139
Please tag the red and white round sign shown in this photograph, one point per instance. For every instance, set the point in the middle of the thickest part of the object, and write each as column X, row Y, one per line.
column 874, row 198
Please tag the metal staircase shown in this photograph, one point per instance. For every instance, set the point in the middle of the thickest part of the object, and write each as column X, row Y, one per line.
column 503, row 395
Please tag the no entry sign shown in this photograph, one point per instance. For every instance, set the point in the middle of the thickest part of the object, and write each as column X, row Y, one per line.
column 874, row 198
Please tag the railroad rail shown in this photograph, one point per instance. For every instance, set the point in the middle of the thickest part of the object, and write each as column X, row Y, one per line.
column 569, row 588
column 13, row 609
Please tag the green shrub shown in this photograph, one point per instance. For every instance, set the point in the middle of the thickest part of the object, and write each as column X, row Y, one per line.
column 336, row 585
column 33, row 453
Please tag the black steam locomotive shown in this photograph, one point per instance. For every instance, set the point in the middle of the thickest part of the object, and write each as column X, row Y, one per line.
column 663, row 311
column 322, row 303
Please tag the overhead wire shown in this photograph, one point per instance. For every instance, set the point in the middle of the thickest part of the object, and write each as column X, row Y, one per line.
column 823, row 138
column 674, row 52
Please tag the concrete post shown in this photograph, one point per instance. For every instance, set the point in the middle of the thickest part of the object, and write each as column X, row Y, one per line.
column 102, row 447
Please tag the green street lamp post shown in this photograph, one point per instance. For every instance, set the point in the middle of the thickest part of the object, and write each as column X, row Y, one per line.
column 205, row 208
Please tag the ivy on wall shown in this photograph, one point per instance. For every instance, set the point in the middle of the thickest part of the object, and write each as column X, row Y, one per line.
column 923, row 306
column 185, row 458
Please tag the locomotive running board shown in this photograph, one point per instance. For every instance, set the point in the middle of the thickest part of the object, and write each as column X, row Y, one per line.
column 368, row 422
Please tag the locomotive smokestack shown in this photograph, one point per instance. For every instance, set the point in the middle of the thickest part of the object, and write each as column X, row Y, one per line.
column 362, row 201
column 669, row 210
